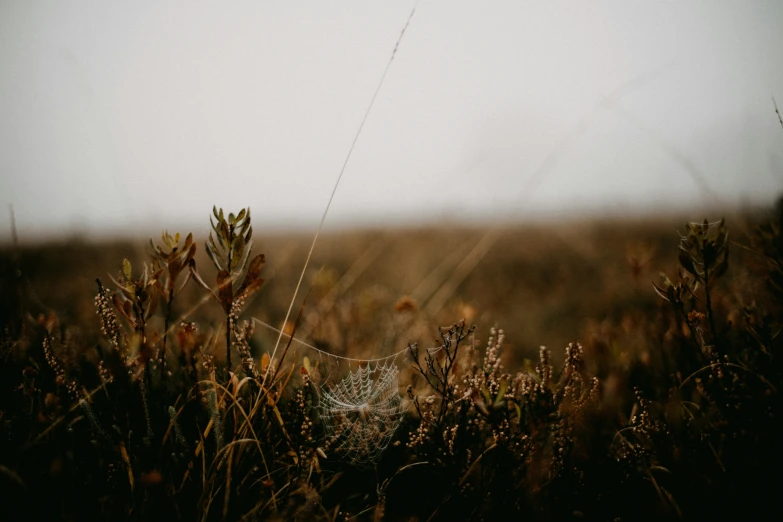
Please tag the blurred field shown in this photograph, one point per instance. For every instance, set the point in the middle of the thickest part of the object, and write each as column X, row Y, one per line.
column 543, row 284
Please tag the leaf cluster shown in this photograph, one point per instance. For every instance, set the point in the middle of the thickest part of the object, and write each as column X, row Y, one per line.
column 704, row 250
column 229, row 249
column 138, row 298
column 174, row 259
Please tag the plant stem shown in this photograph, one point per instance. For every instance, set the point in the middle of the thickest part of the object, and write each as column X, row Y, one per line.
column 167, row 320
column 228, row 343
column 228, row 315
column 708, row 301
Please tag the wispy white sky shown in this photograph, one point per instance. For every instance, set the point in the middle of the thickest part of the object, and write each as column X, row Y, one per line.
column 120, row 114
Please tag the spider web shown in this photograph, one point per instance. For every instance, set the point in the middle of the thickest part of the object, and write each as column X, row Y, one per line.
column 362, row 412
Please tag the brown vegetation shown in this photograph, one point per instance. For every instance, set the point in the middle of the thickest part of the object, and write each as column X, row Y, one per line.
column 172, row 402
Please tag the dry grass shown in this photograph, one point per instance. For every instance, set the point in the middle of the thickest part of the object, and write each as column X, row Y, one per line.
column 665, row 409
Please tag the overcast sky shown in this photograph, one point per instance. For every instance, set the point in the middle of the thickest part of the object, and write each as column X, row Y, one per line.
column 123, row 114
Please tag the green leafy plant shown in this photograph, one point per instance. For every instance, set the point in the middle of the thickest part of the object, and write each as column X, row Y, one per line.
column 229, row 249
